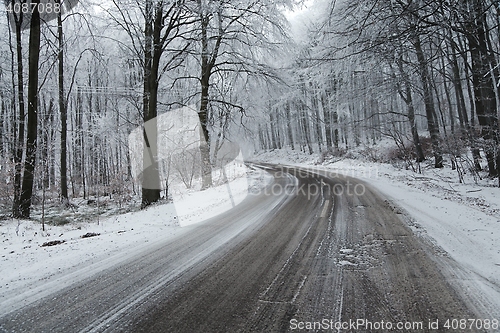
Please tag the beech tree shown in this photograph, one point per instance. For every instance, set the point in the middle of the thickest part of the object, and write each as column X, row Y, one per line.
column 32, row 125
column 17, row 21
column 234, row 38
column 62, row 107
column 164, row 24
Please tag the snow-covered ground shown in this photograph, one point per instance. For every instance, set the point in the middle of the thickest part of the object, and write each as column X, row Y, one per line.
column 463, row 219
column 25, row 264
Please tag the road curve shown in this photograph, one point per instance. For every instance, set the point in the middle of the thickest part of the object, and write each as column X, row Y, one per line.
column 308, row 248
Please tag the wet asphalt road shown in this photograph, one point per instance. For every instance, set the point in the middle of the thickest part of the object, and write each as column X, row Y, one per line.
column 309, row 248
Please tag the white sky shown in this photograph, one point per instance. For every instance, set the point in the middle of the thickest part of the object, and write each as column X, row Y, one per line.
column 301, row 18
column 291, row 14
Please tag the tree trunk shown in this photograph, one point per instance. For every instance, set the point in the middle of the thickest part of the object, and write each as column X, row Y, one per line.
column 483, row 85
column 151, row 187
column 203, row 114
column 278, row 127
column 204, row 135
column 448, row 99
column 31, row 140
column 268, row 138
column 430, row 111
column 19, row 141
column 62, row 110
column 3, row 126
column 408, row 99
column 459, row 92
column 317, row 122
column 476, row 155
column 272, row 126
column 261, row 138
column 305, row 127
column 336, row 134
column 326, row 117
column 289, row 125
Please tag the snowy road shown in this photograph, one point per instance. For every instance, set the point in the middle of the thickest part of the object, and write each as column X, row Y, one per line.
column 310, row 248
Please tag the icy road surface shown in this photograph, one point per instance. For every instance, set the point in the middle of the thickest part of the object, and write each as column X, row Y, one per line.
column 309, row 248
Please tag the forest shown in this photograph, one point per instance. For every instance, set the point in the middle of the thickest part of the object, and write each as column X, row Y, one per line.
column 77, row 78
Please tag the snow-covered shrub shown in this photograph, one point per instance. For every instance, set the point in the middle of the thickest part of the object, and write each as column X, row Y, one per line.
column 371, row 154
column 331, row 154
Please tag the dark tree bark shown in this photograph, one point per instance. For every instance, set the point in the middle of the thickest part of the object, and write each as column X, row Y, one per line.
column 279, row 140
column 79, row 151
column 305, row 127
column 430, row 110
column 474, row 149
column 317, row 122
column 208, row 60
column 62, row 109
column 46, row 134
column 268, row 138
column 31, row 139
column 261, row 138
column 458, row 88
column 328, row 123
column 3, row 112
column 162, row 26
column 151, row 178
column 19, row 140
column 483, row 83
column 272, row 126
column 289, row 125
column 408, row 99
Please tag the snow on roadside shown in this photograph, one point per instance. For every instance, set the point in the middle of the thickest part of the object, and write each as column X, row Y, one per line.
column 462, row 219
column 196, row 206
column 24, row 262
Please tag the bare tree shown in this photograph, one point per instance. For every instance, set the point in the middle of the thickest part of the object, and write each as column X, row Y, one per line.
column 164, row 24
column 32, row 126
column 62, row 107
column 19, row 130
column 233, row 38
